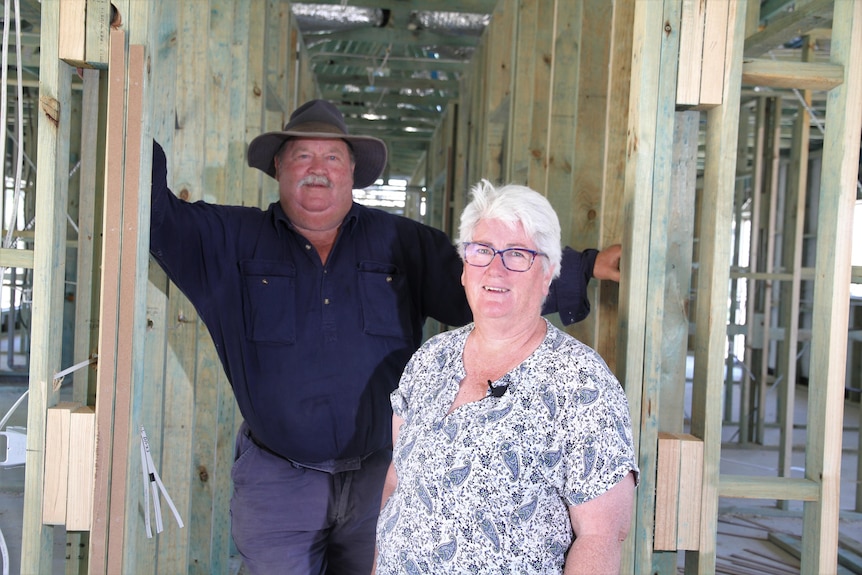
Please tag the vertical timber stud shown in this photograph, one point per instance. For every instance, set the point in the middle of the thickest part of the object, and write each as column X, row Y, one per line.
column 614, row 172
column 49, row 263
column 188, row 73
column 84, row 324
column 652, row 103
column 712, row 285
column 831, row 291
column 790, row 291
column 640, row 145
column 659, row 188
column 111, row 232
column 126, row 307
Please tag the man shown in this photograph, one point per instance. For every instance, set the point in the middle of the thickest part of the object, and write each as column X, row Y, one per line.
column 315, row 305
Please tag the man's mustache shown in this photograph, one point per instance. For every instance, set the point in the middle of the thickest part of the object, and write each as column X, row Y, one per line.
column 315, row 181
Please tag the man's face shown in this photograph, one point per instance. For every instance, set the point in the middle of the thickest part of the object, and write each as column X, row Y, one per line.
column 315, row 179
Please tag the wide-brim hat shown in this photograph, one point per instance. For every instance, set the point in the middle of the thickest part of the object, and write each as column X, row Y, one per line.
column 320, row 119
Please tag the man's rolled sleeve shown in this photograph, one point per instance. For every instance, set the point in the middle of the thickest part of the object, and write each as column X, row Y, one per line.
column 568, row 293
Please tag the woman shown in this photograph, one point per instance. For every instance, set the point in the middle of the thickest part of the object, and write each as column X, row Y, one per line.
column 512, row 440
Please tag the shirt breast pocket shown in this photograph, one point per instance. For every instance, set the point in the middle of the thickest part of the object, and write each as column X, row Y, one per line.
column 385, row 300
column 269, row 300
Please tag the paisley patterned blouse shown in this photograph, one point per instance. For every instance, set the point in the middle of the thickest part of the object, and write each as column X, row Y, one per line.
column 486, row 488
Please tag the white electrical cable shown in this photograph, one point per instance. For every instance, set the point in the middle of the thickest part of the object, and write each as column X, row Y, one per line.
column 154, row 482
column 144, row 467
column 12, row 409
column 19, row 163
column 4, row 75
column 58, row 377
column 18, row 191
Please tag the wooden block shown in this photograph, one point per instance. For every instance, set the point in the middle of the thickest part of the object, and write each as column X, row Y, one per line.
column 690, row 488
column 81, row 483
column 84, row 32
column 714, row 54
column 98, row 32
column 72, row 40
column 691, row 31
column 667, row 492
column 56, row 463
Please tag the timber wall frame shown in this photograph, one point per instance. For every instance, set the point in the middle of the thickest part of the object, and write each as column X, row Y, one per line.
column 577, row 100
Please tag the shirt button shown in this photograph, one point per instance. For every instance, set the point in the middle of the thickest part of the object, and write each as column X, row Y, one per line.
column 264, row 281
column 389, row 279
column 308, row 246
column 326, row 301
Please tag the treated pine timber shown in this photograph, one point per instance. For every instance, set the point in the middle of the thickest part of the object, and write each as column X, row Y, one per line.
column 647, row 201
column 759, row 487
column 98, row 31
column 213, row 407
column 494, row 94
column 109, row 308
column 127, row 305
column 83, row 35
column 525, row 46
column 56, row 463
column 714, row 55
column 679, row 480
column 690, row 492
column 703, row 34
column 667, row 492
column 185, row 68
column 235, row 39
column 799, row 75
column 838, row 189
column 613, row 176
column 574, row 192
column 806, row 17
column 87, row 275
column 768, row 219
column 15, row 258
column 690, row 52
column 640, row 145
column 143, row 393
column 576, row 152
column 790, row 292
column 51, row 193
column 541, row 35
column 73, row 31
column 710, row 339
column 82, row 451
column 147, row 397
column 660, row 190
column 680, row 239
column 747, row 428
column 254, row 91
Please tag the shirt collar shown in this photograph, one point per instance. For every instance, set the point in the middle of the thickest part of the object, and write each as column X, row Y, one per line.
column 281, row 222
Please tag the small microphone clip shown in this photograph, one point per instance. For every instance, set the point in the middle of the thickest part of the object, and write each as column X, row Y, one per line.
column 497, row 391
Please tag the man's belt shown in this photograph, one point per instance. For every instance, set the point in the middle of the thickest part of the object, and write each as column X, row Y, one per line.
column 331, row 466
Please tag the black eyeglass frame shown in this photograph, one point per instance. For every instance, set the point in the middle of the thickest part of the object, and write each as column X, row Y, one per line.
column 502, row 253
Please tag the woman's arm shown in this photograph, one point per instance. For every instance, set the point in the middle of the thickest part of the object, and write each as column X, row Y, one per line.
column 601, row 525
column 391, row 478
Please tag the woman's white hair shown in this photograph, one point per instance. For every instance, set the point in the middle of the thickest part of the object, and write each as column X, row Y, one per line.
column 513, row 204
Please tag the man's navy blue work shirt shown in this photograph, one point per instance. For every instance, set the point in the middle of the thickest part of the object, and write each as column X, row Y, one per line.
column 313, row 351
